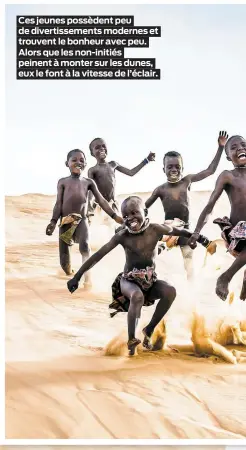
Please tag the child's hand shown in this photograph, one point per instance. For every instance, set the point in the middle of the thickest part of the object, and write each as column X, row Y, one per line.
column 223, row 136
column 72, row 285
column 50, row 228
column 192, row 242
column 151, row 157
column 118, row 219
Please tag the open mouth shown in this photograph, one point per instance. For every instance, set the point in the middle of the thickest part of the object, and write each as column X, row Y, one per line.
column 133, row 225
column 78, row 167
column 241, row 155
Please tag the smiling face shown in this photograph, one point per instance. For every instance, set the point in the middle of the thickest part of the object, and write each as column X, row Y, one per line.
column 133, row 213
column 173, row 167
column 99, row 150
column 236, row 151
column 76, row 163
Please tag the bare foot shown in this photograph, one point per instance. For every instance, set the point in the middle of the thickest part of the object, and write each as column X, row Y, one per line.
column 132, row 344
column 70, row 273
column 222, row 287
column 147, row 340
column 243, row 291
column 68, row 270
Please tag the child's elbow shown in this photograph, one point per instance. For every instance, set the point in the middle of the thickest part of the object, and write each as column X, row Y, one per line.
column 211, row 170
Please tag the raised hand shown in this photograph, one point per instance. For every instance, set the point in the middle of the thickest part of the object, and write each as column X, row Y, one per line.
column 72, row 285
column 222, row 139
column 50, row 228
column 151, row 156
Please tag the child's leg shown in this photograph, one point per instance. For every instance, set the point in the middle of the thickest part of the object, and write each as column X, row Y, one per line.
column 82, row 233
column 166, row 293
column 65, row 260
column 243, row 291
column 187, row 254
column 223, row 281
column 133, row 292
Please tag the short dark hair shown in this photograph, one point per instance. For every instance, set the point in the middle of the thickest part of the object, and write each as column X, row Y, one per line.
column 90, row 145
column 172, row 154
column 131, row 197
column 75, row 151
column 230, row 139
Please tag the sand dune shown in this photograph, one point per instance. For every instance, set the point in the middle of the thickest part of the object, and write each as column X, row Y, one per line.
column 60, row 384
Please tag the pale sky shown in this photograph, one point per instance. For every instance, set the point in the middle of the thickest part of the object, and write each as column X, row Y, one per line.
column 202, row 58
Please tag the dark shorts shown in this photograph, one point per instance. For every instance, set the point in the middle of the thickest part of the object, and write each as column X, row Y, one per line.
column 121, row 303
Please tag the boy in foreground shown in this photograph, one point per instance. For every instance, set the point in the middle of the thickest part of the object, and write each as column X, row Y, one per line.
column 138, row 285
column 233, row 182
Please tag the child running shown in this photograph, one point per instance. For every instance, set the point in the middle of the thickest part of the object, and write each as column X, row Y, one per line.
column 103, row 173
column 138, row 284
column 233, row 182
column 174, row 196
column 70, row 207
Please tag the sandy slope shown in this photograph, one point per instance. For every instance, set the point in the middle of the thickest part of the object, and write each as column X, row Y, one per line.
column 59, row 384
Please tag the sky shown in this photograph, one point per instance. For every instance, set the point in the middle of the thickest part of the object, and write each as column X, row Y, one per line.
column 201, row 55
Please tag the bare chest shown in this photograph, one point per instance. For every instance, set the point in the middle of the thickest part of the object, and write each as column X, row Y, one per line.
column 175, row 193
column 76, row 190
column 104, row 171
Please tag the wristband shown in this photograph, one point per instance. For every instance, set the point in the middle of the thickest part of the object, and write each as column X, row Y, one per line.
column 146, row 161
column 203, row 241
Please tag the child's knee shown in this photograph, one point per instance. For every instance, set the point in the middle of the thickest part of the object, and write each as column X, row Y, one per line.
column 171, row 294
column 137, row 298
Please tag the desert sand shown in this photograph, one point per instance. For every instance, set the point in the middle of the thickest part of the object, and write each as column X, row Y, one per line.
column 59, row 383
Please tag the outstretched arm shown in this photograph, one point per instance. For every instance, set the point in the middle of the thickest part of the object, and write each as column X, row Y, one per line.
column 103, row 203
column 154, row 196
column 57, row 211
column 94, row 259
column 173, row 231
column 221, row 182
column 223, row 136
column 132, row 172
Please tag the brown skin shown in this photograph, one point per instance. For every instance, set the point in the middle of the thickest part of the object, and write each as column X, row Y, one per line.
column 72, row 195
column 174, row 194
column 103, row 173
column 233, row 182
column 243, row 290
column 140, row 252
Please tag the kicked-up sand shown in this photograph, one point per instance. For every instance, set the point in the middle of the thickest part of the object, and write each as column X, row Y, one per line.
column 60, row 384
